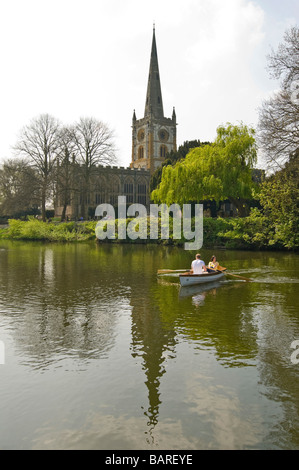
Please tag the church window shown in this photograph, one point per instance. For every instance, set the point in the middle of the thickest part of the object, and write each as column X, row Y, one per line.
column 141, row 152
column 163, row 151
column 100, row 192
column 141, row 194
column 114, row 190
column 128, row 189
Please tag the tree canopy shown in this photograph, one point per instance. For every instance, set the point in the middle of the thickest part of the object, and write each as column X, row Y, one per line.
column 173, row 157
column 53, row 152
column 217, row 172
column 279, row 199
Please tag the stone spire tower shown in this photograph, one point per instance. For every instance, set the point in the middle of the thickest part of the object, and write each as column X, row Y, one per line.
column 153, row 135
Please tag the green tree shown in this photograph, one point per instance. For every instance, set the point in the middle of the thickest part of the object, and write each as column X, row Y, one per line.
column 173, row 157
column 279, row 198
column 222, row 170
column 276, row 223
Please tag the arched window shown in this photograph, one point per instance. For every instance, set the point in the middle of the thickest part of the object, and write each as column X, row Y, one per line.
column 129, row 190
column 141, row 192
column 100, row 191
column 141, row 152
column 114, row 185
column 163, row 151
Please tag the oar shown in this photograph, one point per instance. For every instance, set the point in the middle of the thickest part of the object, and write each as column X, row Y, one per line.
column 169, row 271
column 220, row 268
column 240, row 277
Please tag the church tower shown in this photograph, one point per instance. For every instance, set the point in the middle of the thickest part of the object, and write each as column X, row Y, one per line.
column 153, row 135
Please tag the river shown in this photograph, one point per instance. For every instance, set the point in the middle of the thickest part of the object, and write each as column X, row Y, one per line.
column 98, row 352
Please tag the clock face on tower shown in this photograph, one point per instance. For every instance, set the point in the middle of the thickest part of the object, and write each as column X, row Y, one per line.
column 141, row 135
column 163, row 135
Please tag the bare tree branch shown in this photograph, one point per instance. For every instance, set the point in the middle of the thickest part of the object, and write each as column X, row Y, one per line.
column 39, row 144
column 278, row 129
column 93, row 145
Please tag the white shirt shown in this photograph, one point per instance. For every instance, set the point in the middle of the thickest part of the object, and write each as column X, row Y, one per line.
column 197, row 266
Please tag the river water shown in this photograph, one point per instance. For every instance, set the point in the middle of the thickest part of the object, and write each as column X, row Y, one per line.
column 98, row 352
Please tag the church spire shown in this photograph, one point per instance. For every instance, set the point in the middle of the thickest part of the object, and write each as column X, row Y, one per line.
column 154, row 103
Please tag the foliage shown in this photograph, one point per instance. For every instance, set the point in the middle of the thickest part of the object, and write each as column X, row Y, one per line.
column 280, row 201
column 276, row 224
column 213, row 172
column 173, row 157
column 252, row 232
column 34, row 229
column 247, row 232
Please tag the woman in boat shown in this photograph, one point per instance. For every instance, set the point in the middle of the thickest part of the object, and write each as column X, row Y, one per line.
column 213, row 264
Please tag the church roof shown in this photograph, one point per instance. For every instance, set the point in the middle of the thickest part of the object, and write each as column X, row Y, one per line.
column 154, row 103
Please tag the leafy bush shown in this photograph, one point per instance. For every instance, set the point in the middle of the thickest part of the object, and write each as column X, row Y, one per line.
column 34, row 229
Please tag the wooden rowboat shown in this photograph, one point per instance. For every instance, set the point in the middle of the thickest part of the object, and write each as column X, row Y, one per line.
column 192, row 279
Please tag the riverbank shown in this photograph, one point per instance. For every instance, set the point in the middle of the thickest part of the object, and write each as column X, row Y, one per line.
column 243, row 234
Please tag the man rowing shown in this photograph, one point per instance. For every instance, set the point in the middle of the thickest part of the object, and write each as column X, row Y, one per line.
column 198, row 265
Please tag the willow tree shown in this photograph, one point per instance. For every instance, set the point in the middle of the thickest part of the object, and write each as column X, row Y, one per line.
column 216, row 172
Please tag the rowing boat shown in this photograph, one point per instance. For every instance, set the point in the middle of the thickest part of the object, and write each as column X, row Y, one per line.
column 188, row 279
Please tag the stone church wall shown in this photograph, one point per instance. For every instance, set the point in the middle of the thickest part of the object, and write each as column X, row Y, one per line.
column 106, row 184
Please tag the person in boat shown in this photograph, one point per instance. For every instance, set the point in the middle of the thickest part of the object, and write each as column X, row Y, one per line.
column 198, row 265
column 213, row 264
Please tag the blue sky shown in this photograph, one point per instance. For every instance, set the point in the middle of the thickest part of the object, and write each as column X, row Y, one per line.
column 73, row 58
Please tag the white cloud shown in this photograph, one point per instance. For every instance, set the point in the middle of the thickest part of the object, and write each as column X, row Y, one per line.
column 73, row 57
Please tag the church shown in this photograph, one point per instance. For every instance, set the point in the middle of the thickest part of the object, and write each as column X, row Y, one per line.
column 153, row 136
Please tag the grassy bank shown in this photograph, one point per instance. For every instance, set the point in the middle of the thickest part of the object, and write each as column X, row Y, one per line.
column 249, row 233
column 34, row 229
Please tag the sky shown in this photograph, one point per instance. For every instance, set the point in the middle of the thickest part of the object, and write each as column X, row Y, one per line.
column 90, row 58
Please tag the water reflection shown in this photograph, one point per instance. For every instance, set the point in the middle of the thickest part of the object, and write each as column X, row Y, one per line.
column 54, row 309
column 194, row 367
column 152, row 342
column 198, row 293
